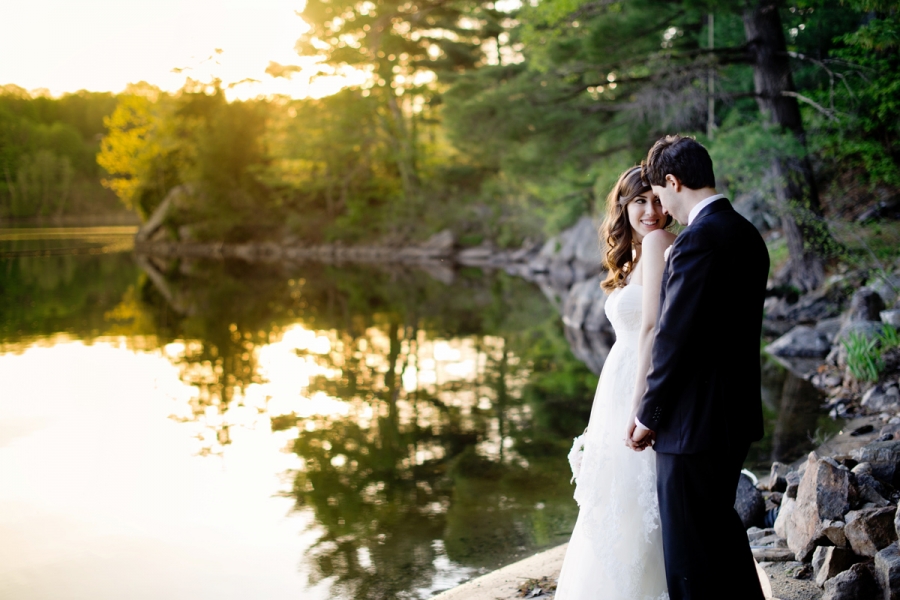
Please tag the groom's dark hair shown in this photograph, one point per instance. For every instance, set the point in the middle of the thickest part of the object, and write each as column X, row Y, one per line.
column 683, row 157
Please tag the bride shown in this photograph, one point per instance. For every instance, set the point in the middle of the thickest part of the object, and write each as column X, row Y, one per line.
column 616, row 548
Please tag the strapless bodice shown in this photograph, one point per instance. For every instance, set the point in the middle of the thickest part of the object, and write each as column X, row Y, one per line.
column 623, row 309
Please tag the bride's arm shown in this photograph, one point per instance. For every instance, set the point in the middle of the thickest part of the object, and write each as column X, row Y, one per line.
column 653, row 249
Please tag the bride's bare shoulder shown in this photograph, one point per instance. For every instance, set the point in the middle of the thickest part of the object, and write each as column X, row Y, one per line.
column 657, row 241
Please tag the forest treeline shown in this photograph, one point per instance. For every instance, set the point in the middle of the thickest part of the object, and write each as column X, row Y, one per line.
column 502, row 122
column 48, row 153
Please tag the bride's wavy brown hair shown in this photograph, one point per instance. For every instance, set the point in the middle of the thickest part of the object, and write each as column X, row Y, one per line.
column 616, row 230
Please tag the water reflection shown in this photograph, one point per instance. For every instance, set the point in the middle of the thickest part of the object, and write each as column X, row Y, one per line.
column 415, row 429
column 422, row 414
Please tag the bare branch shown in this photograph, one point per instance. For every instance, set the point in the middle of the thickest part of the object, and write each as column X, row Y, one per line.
column 813, row 103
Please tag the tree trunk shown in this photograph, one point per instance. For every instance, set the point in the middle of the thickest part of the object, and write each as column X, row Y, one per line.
column 795, row 185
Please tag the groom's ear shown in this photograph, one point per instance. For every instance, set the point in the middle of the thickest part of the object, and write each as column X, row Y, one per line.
column 674, row 181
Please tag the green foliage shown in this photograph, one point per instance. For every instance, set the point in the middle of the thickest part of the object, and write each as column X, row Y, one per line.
column 889, row 338
column 863, row 357
column 47, row 150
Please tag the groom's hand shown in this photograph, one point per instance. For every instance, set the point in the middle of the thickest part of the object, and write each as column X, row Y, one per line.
column 638, row 437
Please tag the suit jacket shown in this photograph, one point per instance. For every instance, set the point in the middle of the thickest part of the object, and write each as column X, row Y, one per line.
column 704, row 379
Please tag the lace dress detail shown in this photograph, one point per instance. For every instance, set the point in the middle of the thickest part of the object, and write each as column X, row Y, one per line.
column 616, row 548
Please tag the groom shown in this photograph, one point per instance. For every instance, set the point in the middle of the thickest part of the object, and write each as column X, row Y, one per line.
column 702, row 406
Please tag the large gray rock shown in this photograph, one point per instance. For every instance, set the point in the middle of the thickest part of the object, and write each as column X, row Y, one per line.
column 800, row 342
column 882, row 397
column 865, row 305
column 749, row 503
column 584, row 297
column 585, row 239
column 824, row 493
column 887, row 571
column 888, row 287
column 754, row 207
column 870, row 529
column 884, row 458
column 856, row 583
column 785, row 514
column 828, row 561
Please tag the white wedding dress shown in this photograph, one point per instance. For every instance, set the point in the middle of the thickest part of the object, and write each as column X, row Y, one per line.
column 616, row 548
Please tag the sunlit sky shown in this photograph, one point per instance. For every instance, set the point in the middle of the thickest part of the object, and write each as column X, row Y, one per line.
column 102, row 45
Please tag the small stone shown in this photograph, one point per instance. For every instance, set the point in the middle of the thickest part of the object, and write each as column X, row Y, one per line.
column 793, row 484
column 855, row 583
column 777, row 477
column 773, row 541
column 833, row 531
column 824, row 493
column 863, row 468
column 887, row 571
column 870, row 529
column 828, row 561
column 755, row 533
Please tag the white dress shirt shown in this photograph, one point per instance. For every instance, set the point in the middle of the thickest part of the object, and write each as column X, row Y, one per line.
column 701, row 205
column 691, row 216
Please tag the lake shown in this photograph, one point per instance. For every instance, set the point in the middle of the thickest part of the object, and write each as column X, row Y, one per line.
column 188, row 429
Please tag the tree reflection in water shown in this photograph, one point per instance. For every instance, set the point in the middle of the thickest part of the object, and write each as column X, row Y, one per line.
column 457, row 407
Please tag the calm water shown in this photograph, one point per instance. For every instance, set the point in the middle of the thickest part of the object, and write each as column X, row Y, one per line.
column 223, row 430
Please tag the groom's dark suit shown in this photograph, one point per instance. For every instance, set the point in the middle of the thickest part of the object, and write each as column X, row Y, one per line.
column 703, row 400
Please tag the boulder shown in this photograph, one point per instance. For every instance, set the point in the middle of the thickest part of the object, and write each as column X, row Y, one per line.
column 585, row 239
column 824, row 493
column 855, row 583
column 882, row 397
column 828, row 561
column 888, row 287
column 891, row 317
column 884, row 458
column 561, row 274
column 785, row 512
column 829, row 327
column 865, row 305
column 887, row 571
column 870, row 529
column 749, row 503
column 754, row 207
column 583, row 298
column 800, row 342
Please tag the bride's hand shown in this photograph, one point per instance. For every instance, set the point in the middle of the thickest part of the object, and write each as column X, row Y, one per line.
column 637, row 437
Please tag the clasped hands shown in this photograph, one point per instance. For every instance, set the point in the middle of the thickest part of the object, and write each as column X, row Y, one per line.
column 638, row 437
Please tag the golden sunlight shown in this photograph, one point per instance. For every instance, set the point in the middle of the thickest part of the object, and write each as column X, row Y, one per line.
column 97, row 45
